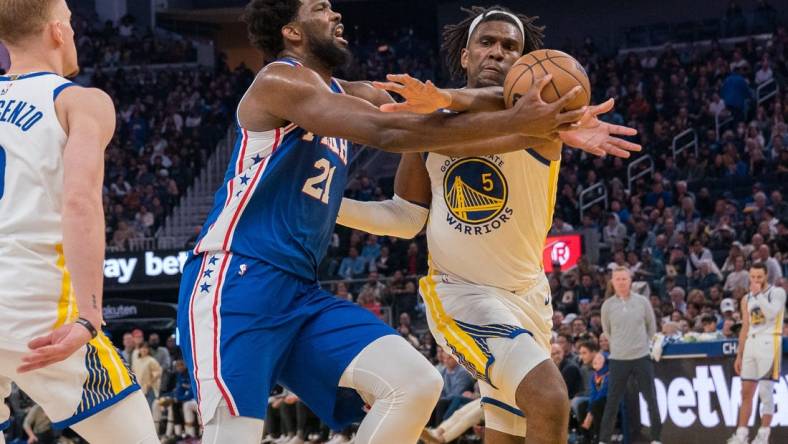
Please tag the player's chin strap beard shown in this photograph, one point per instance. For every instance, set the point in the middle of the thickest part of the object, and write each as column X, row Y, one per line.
column 475, row 23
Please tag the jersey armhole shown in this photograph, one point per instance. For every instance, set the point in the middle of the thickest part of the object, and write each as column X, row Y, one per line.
column 60, row 89
column 55, row 93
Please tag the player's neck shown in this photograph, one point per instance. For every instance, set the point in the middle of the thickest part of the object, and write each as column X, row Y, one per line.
column 32, row 62
column 312, row 63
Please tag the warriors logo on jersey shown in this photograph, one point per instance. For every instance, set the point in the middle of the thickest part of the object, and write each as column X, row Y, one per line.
column 476, row 193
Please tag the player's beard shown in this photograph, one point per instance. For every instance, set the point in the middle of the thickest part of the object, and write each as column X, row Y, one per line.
column 328, row 51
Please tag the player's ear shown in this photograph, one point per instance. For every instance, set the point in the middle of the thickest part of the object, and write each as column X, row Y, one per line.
column 292, row 33
column 464, row 58
column 55, row 30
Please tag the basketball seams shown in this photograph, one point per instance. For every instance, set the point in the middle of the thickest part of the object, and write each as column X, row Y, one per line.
column 547, row 53
column 552, row 83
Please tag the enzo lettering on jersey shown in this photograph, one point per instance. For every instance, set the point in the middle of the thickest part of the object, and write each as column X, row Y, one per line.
column 19, row 113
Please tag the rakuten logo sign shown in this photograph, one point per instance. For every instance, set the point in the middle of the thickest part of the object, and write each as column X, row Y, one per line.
column 709, row 398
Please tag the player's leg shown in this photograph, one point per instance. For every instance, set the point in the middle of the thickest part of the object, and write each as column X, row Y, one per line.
column 748, row 388
column 402, row 385
column 120, row 423
column 346, row 346
column 463, row 419
column 237, row 327
column 766, row 395
column 93, row 392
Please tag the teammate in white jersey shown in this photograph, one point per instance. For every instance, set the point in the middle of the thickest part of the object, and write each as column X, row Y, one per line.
column 487, row 297
column 759, row 355
column 52, row 141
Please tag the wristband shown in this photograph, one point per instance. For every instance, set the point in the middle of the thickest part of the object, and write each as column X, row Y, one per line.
column 88, row 326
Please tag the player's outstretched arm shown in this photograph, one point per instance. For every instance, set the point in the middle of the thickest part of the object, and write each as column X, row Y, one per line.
column 299, row 95
column 590, row 134
column 88, row 117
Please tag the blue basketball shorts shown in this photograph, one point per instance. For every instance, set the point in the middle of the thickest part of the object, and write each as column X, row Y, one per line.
column 246, row 326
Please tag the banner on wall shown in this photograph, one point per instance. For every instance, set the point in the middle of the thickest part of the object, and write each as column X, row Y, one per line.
column 562, row 250
column 699, row 399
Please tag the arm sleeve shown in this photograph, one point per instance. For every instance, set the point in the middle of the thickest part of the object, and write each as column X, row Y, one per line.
column 396, row 217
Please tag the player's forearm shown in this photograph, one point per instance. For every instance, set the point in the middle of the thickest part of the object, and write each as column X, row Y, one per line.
column 396, row 217
column 476, row 99
column 404, row 132
column 83, row 247
column 497, row 145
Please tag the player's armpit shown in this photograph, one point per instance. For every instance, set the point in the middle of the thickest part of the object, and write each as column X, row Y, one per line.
column 412, row 181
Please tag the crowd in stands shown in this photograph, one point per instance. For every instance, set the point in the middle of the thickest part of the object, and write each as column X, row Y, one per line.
column 688, row 231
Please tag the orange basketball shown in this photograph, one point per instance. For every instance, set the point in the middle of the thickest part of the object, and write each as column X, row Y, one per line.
column 567, row 73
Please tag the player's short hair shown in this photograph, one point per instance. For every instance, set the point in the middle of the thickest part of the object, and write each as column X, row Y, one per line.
column 760, row 266
column 20, row 19
column 455, row 37
column 264, row 20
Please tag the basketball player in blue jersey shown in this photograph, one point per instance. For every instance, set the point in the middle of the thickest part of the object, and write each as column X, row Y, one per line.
column 487, row 218
column 52, row 139
column 251, row 311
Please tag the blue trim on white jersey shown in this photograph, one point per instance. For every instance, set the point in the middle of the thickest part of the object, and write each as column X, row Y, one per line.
column 60, row 89
column 60, row 425
column 26, row 76
column 503, row 405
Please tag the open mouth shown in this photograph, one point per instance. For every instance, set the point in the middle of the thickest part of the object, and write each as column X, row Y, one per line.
column 338, row 34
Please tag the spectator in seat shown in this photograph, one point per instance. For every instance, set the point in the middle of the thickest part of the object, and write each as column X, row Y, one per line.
column 738, row 278
column 586, row 350
column 148, row 372
column 569, row 370
column 128, row 347
column 376, row 288
column 352, row 266
column 38, row 427
column 597, row 400
column 457, row 387
column 416, row 262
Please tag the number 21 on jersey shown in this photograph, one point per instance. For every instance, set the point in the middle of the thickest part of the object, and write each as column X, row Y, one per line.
column 319, row 187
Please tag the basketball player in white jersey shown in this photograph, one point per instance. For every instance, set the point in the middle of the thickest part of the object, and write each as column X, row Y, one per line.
column 759, row 355
column 52, row 141
column 487, row 296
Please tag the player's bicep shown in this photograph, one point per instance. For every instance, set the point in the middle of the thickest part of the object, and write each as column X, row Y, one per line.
column 90, row 117
column 365, row 91
column 300, row 96
column 412, row 181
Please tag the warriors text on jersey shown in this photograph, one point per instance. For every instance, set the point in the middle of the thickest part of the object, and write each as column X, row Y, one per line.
column 490, row 216
column 281, row 197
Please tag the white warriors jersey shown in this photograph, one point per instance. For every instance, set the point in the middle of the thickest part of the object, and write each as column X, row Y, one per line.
column 766, row 310
column 33, row 280
column 490, row 216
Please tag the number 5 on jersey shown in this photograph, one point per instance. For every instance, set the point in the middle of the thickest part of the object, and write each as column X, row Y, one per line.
column 319, row 187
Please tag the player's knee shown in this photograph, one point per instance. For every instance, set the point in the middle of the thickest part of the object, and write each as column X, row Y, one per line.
column 426, row 385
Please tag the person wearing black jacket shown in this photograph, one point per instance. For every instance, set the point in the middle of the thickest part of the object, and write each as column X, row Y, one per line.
column 569, row 370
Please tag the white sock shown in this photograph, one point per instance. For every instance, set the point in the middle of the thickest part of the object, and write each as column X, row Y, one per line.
column 743, row 432
column 764, row 431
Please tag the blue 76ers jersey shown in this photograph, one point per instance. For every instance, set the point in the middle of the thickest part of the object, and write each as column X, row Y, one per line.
column 280, row 197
